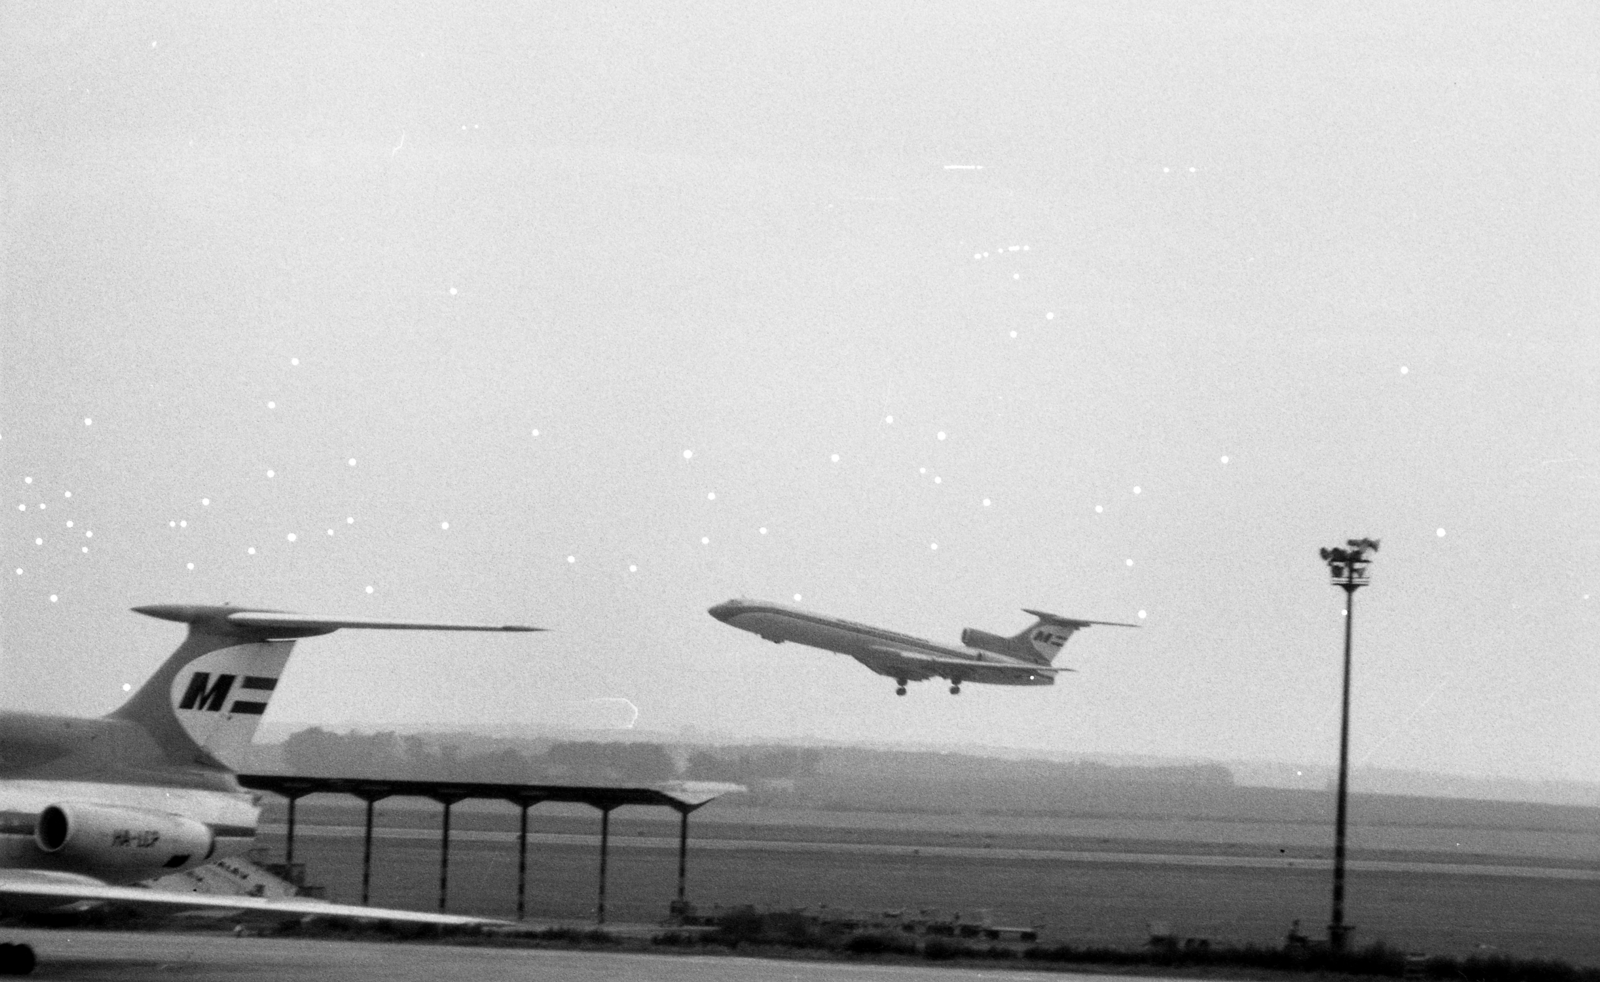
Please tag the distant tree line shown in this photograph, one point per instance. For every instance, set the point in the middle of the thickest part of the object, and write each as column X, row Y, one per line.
column 858, row 762
column 321, row 753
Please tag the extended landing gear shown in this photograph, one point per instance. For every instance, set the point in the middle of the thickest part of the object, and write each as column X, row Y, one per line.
column 955, row 687
column 16, row 959
column 900, row 687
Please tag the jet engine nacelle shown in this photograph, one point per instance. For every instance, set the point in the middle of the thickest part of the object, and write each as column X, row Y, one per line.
column 984, row 641
column 106, row 838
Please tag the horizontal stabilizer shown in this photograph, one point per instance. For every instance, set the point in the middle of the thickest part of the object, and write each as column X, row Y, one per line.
column 1074, row 621
column 260, row 619
column 300, row 625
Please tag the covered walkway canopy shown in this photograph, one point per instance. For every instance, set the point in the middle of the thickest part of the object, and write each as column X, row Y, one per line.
column 682, row 797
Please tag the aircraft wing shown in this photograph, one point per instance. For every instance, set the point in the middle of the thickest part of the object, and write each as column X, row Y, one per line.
column 988, row 663
column 46, row 889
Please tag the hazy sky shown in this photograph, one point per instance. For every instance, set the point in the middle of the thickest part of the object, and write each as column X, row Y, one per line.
column 591, row 316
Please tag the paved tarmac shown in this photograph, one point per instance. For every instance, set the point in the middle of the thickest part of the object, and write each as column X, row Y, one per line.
column 126, row 957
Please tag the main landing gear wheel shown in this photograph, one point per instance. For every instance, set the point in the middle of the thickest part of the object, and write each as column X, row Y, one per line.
column 16, row 959
column 900, row 687
column 955, row 688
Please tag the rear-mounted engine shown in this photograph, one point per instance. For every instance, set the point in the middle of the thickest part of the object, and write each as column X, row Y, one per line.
column 105, row 837
column 974, row 638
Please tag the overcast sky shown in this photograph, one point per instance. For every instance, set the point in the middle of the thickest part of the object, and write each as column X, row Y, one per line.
column 593, row 316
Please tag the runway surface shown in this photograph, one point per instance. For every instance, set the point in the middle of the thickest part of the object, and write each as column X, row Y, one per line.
column 1535, row 902
column 966, row 852
column 93, row 955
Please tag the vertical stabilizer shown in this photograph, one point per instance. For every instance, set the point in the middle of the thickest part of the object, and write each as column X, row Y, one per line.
column 1039, row 643
column 204, row 703
column 219, row 698
column 202, row 706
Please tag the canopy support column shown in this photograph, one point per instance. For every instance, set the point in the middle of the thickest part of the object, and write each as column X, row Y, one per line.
column 447, row 798
column 288, row 846
column 522, row 862
column 683, row 853
column 444, row 857
column 366, row 857
column 605, row 838
column 524, row 800
column 371, row 798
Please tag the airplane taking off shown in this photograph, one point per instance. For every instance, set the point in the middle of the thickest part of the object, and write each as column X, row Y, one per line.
column 1023, row 659
column 89, row 807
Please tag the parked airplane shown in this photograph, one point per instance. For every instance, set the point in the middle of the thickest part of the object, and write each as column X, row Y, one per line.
column 1023, row 659
column 90, row 807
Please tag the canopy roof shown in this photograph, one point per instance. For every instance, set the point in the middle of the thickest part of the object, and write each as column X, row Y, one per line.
column 682, row 796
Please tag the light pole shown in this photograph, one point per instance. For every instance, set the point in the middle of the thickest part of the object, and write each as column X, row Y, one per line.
column 1348, row 566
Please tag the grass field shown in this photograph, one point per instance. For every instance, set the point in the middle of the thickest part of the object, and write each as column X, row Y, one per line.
column 864, row 862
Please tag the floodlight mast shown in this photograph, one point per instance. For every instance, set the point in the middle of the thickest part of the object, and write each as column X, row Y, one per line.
column 1348, row 567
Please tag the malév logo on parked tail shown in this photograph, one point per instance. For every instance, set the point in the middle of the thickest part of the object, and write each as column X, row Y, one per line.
column 207, row 696
column 219, row 697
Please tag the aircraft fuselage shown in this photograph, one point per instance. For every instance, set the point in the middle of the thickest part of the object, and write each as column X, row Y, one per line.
column 886, row 652
column 141, row 817
column 130, row 802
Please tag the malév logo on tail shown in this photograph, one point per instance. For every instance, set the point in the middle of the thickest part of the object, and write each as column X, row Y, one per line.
column 1048, row 642
column 204, row 696
column 207, row 696
column 219, row 698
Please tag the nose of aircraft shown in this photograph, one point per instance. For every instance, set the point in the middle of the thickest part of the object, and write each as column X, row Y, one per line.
column 723, row 611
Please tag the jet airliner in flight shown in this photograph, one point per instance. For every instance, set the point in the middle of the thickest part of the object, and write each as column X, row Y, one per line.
column 91, row 807
column 1022, row 659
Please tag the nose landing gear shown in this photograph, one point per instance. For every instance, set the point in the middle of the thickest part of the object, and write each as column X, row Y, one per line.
column 900, row 687
column 955, row 687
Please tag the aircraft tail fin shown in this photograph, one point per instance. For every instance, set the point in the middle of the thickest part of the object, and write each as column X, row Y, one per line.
column 1039, row 643
column 202, row 706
